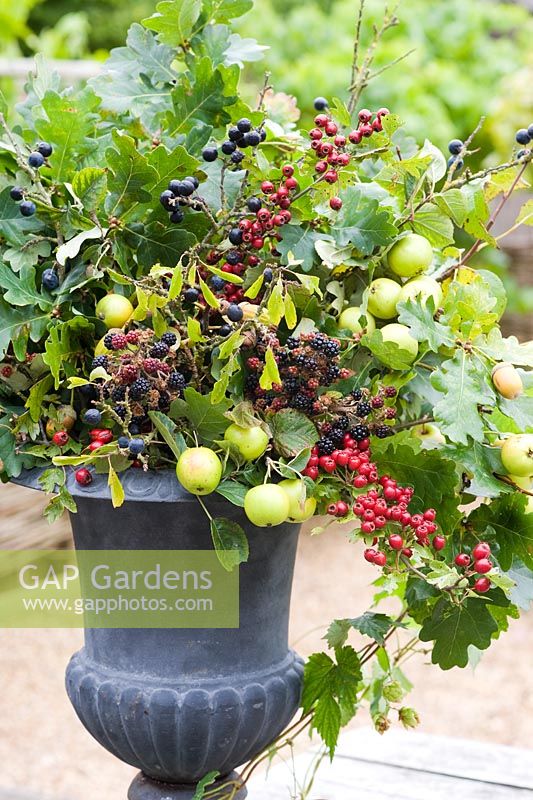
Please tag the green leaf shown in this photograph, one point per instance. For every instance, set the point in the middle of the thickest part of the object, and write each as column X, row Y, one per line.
column 69, row 126
column 371, row 624
column 57, row 506
column 470, row 308
column 464, row 386
column 300, row 241
column 507, row 522
column 292, row 432
column 481, row 463
column 16, row 323
column 209, row 297
column 14, row 461
column 270, row 373
column 433, row 476
column 522, row 594
column 168, row 164
column 206, row 419
column 363, row 222
column 129, row 174
column 453, row 629
column 519, row 410
column 453, row 204
column 389, row 353
column 202, row 785
column 36, row 396
column 62, row 341
column 161, row 244
column 275, row 305
column 20, row 288
column 174, row 20
column 200, row 96
column 194, row 331
column 13, row 226
column 89, row 185
column 478, row 213
column 50, row 479
column 226, row 10
column 71, row 248
column 169, row 431
column 117, row 490
column 255, row 288
column 430, row 222
column 419, row 317
column 230, row 542
column 29, row 256
column 233, row 491
column 498, row 348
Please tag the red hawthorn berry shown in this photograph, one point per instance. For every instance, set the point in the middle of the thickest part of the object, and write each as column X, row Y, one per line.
column 315, row 144
column 331, row 128
column 396, row 514
column 366, row 130
column 83, row 477
column 288, row 170
column 278, row 220
column 325, row 149
column 342, row 508
column 263, row 215
column 267, row 187
column 369, row 555
column 7, row 371
column 367, row 528
column 284, row 203
column 383, row 112
column 313, row 461
column 482, row 585
column 335, row 203
column 364, row 444
column 60, row 438
column 368, row 515
column 321, row 166
column 343, row 159
column 482, row 566
column 481, row 550
column 105, row 436
column 311, row 472
column 339, row 141
column 331, row 176
column 407, row 552
column 396, row 541
column 253, row 261
column 380, row 521
column 327, row 464
column 462, row 560
column 439, row 542
column 380, row 559
column 315, row 134
column 355, row 137
column 291, row 184
column 365, row 115
column 416, row 520
column 283, row 191
column 430, row 514
column 358, row 509
column 95, row 445
column 332, row 509
column 321, row 120
column 360, row 481
column 405, row 519
column 343, row 459
column 258, row 242
column 377, row 125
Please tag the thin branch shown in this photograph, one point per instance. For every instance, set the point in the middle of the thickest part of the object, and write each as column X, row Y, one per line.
column 391, row 64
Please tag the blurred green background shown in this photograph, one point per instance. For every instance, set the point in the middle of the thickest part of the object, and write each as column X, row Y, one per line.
column 471, row 58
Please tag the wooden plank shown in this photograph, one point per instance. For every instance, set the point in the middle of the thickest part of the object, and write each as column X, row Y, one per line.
column 463, row 758
column 348, row 779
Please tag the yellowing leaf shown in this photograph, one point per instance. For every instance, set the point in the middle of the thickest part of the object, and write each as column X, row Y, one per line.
column 290, row 312
column 270, row 374
column 117, row 490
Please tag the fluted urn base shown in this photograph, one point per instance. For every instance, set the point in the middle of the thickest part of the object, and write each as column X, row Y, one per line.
column 144, row 788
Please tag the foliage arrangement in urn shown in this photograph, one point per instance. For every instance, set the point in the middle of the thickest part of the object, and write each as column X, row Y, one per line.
column 283, row 318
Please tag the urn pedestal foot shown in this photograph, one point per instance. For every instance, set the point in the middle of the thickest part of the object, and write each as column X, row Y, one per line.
column 144, row 788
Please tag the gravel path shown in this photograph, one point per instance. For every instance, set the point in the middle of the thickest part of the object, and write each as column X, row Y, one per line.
column 45, row 753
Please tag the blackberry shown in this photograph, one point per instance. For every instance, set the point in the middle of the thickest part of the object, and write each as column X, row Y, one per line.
column 176, row 380
column 301, row 402
column 159, row 350
column 326, row 446
column 169, row 338
column 357, row 394
column 139, row 388
column 118, row 394
column 378, row 402
column 292, row 343
column 342, row 422
column 108, row 338
column 337, row 436
column 382, row 431
column 251, row 382
column 100, row 361
column 318, row 341
column 363, row 409
column 118, row 341
column 331, row 348
column 360, row 432
column 391, row 391
column 332, row 373
column 291, row 385
column 121, row 411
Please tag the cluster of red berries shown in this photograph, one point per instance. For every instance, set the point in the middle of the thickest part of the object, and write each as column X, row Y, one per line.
column 332, row 155
column 306, row 364
column 352, row 462
column 482, row 566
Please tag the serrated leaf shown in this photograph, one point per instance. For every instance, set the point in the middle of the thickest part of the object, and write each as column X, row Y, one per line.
column 206, row 419
column 481, row 463
column 50, row 479
column 270, row 373
column 464, row 387
column 430, row 222
column 130, row 174
column 230, row 542
column 201, row 786
column 168, row 164
column 478, row 213
column 28, row 255
column 453, row 204
column 371, row 624
column 17, row 323
column 89, row 186
column 203, row 96
column 174, row 21
column 36, row 396
column 226, row 10
column 117, row 490
column 363, row 222
column 389, row 353
column 13, row 226
column 161, row 244
column 20, row 288
column 507, row 521
column 498, row 348
column 419, row 317
column 300, row 241
column 292, row 432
